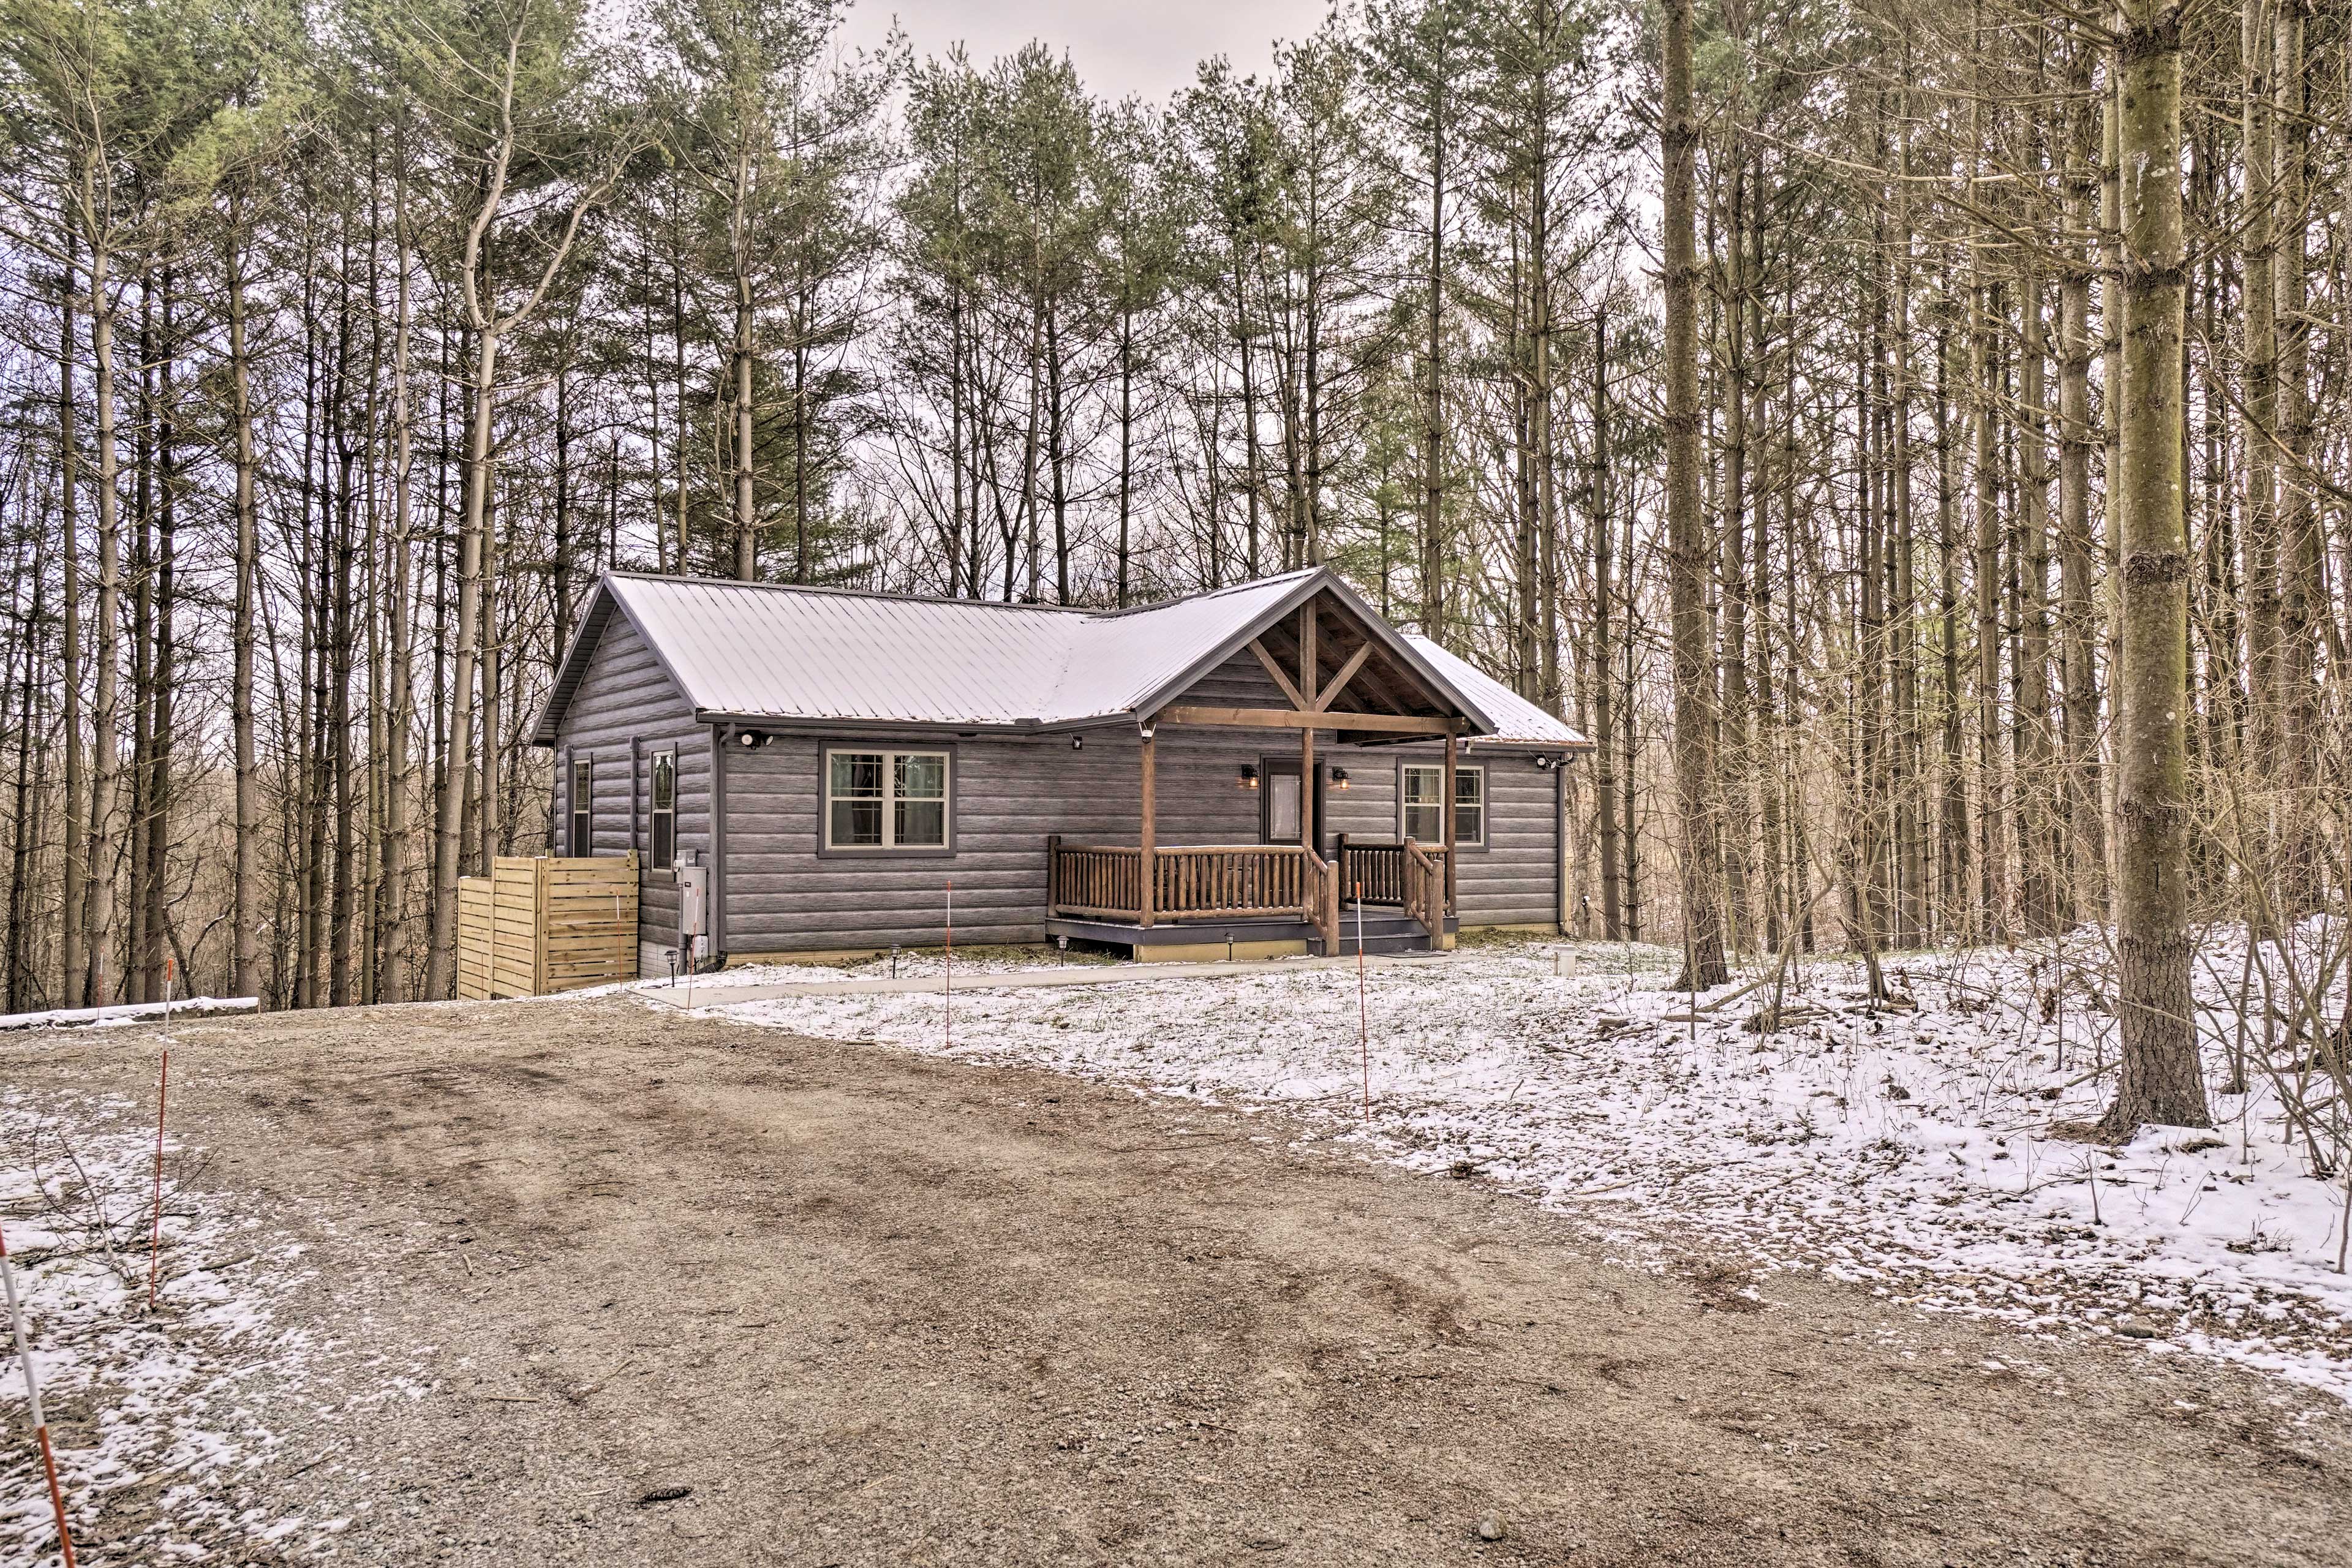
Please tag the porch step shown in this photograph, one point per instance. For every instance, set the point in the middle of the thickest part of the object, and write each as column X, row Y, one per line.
column 1380, row 933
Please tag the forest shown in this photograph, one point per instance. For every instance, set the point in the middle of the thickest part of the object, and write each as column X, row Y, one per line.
column 1908, row 436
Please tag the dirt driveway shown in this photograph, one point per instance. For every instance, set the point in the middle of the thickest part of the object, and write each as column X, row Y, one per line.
column 874, row 1309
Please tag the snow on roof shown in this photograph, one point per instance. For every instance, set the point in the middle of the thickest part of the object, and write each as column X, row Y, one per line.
column 786, row 653
column 781, row 652
column 1516, row 721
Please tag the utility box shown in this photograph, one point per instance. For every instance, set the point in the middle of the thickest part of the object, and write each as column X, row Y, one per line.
column 541, row 924
column 693, row 914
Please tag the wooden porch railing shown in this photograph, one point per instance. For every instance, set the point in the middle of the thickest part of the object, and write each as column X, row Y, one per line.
column 1094, row 882
column 1425, row 886
column 1379, row 868
column 1193, row 882
column 1324, row 911
column 1203, row 882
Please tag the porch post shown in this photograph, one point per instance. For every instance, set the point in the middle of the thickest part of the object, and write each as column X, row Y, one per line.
column 1453, row 746
column 1149, row 835
column 1307, row 788
column 1309, row 670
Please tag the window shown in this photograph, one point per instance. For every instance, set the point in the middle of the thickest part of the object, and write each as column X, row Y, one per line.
column 1424, row 792
column 583, row 803
column 1281, row 808
column 665, row 810
column 886, row 800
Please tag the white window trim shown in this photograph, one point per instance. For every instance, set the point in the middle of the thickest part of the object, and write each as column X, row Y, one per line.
column 1485, row 805
column 654, row 811
column 889, row 800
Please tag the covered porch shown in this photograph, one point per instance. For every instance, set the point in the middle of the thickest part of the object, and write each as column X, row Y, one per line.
column 1341, row 683
column 1250, row 897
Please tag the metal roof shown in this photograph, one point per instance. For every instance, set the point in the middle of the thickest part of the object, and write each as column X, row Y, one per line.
column 753, row 650
column 1518, row 721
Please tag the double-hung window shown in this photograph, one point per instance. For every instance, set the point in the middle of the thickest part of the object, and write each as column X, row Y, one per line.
column 665, row 810
column 886, row 800
column 582, row 807
column 1423, row 797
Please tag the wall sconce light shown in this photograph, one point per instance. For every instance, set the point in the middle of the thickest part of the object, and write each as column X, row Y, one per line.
column 1248, row 779
column 1339, row 778
column 1077, row 742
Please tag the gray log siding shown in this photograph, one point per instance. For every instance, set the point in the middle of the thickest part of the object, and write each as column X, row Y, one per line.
column 1008, row 794
column 1006, row 797
column 625, row 695
column 1513, row 879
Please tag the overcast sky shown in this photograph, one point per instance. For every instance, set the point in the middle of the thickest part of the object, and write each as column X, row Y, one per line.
column 1120, row 46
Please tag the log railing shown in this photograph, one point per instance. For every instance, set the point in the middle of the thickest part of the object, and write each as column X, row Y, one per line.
column 1379, row 869
column 1323, row 890
column 1204, row 882
column 1192, row 882
column 1425, row 886
column 1095, row 881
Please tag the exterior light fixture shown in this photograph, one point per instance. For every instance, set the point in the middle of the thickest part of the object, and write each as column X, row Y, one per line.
column 750, row 740
column 1077, row 742
column 1339, row 778
column 1248, row 779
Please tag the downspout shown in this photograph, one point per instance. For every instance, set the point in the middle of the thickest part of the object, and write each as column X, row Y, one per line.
column 1559, row 840
column 718, row 846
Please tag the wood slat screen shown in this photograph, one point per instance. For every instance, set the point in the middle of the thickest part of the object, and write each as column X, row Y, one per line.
column 541, row 924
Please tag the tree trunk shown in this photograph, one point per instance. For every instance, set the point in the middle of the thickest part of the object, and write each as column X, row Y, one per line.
column 2038, row 788
column 2085, row 830
column 1432, row 469
column 2303, row 565
column 1604, row 705
column 2161, row 1081
column 2260, row 418
column 1686, row 552
column 245, row 874
column 105, row 707
column 440, row 967
column 73, row 980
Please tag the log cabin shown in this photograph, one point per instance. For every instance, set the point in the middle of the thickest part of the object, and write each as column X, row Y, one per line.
column 1259, row 770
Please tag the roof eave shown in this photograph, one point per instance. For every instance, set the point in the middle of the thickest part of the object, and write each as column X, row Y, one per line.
column 567, row 679
column 804, row 724
column 573, row 667
column 1527, row 743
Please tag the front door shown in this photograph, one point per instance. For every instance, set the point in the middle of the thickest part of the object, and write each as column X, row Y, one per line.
column 1278, row 803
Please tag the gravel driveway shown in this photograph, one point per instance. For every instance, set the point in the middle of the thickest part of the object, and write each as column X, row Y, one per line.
column 689, row 1292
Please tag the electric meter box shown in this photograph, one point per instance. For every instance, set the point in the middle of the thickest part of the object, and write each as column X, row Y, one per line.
column 694, row 911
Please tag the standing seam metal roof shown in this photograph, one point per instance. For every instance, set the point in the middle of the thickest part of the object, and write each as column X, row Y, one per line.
column 772, row 651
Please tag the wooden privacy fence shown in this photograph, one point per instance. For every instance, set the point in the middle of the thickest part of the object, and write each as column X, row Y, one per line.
column 538, row 924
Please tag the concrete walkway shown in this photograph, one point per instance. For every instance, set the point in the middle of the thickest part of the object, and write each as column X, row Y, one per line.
column 715, row 993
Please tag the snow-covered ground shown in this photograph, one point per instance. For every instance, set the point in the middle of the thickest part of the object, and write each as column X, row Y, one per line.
column 1908, row 1148
column 153, row 1414
column 914, row 963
